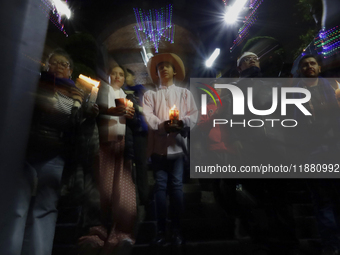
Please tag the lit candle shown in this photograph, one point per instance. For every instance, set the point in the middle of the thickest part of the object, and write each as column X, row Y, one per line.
column 173, row 115
column 94, row 91
column 128, row 102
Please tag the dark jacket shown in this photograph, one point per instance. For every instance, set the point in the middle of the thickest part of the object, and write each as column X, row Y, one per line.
column 262, row 100
column 261, row 140
column 133, row 127
column 323, row 127
column 56, row 116
column 135, row 94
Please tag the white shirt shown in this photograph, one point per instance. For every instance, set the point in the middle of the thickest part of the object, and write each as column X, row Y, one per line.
column 116, row 124
column 156, row 105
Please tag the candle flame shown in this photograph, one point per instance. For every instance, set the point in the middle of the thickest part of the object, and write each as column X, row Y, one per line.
column 173, row 108
column 338, row 84
column 128, row 102
column 89, row 80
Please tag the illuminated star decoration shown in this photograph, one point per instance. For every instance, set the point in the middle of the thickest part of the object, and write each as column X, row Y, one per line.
column 243, row 32
column 154, row 25
column 50, row 9
column 327, row 43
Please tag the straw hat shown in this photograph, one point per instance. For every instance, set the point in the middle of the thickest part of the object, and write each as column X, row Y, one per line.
column 173, row 59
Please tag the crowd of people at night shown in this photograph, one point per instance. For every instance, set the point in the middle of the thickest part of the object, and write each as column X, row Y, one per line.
column 129, row 129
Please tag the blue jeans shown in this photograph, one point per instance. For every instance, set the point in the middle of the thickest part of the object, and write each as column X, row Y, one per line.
column 33, row 217
column 168, row 172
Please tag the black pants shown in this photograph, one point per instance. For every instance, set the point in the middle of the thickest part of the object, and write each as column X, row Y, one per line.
column 140, row 144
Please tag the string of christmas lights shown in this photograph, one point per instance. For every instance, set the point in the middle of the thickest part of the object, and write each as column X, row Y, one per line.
column 50, row 9
column 252, row 3
column 327, row 43
column 250, row 20
column 251, row 16
column 154, row 25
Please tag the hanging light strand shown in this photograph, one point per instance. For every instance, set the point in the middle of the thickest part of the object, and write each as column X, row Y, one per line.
column 50, row 9
column 327, row 43
column 154, row 25
column 250, row 20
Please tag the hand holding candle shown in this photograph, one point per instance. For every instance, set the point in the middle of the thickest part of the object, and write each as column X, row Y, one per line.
column 129, row 110
column 128, row 103
column 88, row 82
column 173, row 115
column 123, row 101
column 126, row 106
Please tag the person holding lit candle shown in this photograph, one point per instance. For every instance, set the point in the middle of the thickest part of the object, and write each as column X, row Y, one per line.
column 116, row 187
column 30, row 228
column 173, row 115
column 167, row 142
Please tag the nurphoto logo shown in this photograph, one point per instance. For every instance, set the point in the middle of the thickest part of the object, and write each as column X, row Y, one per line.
column 238, row 104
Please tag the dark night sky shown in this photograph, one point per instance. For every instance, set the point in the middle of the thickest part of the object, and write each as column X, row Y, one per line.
column 276, row 18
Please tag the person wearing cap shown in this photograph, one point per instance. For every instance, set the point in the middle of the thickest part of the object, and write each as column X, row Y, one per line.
column 264, row 144
column 248, row 65
column 168, row 144
column 260, row 144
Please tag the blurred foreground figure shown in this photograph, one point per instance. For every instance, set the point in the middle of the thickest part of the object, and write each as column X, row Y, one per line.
column 55, row 119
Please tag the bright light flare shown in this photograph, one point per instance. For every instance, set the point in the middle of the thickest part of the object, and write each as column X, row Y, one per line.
column 62, row 8
column 231, row 15
column 145, row 55
column 338, row 83
column 173, row 108
column 212, row 58
column 89, row 80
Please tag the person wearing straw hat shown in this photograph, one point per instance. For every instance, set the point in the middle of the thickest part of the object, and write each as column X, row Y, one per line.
column 168, row 142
